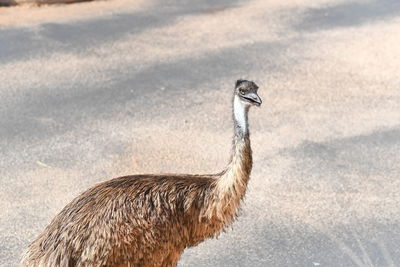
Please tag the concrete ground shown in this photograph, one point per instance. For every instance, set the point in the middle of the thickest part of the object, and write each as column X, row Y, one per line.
column 97, row 90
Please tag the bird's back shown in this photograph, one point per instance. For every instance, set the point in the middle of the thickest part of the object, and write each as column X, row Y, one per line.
column 122, row 220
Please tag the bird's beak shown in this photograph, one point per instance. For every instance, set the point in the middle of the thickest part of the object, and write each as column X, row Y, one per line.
column 254, row 99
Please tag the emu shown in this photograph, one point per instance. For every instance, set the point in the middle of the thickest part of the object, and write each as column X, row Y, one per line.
column 148, row 220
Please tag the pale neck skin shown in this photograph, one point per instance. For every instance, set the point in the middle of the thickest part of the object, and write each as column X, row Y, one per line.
column 240, row 111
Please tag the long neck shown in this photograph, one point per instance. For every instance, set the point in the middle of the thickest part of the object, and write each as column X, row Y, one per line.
column 234, row 180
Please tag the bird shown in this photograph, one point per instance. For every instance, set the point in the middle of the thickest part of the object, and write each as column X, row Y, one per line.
column 147, row 220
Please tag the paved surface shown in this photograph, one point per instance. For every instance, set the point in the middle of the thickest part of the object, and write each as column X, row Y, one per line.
column 98, row 90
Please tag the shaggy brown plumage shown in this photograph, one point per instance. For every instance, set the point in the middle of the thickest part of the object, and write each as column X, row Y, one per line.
column 148, row 220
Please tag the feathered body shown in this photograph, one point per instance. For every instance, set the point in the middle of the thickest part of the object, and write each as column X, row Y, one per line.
column 145, row 220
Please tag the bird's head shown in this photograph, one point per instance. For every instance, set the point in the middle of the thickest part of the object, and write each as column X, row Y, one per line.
column 247, row 93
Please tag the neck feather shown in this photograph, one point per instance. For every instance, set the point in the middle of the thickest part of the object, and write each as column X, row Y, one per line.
column 231, row 185
column 234, row 180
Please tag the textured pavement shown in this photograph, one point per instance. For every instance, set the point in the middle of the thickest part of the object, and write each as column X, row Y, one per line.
column 98, row 90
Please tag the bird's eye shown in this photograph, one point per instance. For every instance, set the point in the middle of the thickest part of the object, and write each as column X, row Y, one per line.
column 241, row 91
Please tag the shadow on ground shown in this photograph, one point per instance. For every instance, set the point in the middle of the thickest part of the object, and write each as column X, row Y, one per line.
column 348, row 15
